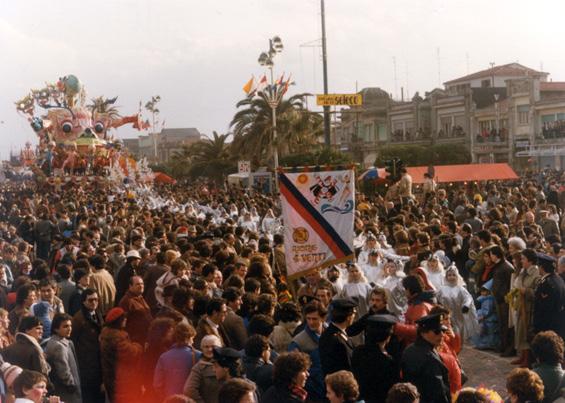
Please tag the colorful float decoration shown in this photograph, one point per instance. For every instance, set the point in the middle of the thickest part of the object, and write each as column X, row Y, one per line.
column 74, row 137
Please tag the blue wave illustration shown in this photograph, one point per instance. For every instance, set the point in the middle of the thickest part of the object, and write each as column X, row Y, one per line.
column 348, row 207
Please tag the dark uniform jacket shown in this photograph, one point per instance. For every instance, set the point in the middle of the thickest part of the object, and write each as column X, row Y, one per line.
column 375, row 372
column 86, row 330
column 335, row 350
column 549, row 305
column 422, row 367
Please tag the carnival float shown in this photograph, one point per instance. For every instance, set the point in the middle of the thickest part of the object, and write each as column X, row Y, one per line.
column 76, row 137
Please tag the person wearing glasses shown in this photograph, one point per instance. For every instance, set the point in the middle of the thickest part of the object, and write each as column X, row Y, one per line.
column 421, row 364
column 87, row 325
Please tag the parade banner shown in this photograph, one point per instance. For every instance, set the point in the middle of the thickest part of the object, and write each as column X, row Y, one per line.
column 318, row 210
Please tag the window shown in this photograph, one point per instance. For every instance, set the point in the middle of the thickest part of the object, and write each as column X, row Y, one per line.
column 381, row 132
column 485, row 83
column 523, row 114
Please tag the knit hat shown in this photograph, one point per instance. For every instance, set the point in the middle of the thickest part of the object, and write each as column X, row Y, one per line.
column 10, row 373
column 114, row 314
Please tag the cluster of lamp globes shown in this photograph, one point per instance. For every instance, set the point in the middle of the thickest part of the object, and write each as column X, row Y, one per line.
column 275, row 46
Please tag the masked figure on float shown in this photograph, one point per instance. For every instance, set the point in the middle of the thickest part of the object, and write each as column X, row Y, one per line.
column 73, row 137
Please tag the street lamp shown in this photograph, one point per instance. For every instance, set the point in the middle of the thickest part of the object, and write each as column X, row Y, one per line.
column 266, row 59
column 497, row 112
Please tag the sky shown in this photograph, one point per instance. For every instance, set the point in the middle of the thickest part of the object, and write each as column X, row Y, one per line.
column 197, row 55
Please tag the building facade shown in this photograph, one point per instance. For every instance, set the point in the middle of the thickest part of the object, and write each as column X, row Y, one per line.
column 507, row 113
column 160, row 147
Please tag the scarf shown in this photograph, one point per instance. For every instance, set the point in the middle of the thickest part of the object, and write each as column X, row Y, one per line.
column 299, row 392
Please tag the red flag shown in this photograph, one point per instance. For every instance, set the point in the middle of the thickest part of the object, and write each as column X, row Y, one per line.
column 285, row 89
column 262, row 83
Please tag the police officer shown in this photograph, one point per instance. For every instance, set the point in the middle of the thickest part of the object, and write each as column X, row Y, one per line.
column 335, row 346
column 374, row 368
column 549, row 300
column 421, row 364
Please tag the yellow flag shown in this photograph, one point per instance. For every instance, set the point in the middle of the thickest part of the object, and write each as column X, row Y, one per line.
column 249, row 85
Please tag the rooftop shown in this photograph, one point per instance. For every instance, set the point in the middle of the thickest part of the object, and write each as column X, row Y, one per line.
column 552, row 86
column 505, row 70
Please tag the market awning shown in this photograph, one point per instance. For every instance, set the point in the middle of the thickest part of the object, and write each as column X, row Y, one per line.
column 160, row 177
column 465, row 173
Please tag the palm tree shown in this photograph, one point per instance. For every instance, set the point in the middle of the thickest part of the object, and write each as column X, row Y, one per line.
column 253, row 127
column 208, row 158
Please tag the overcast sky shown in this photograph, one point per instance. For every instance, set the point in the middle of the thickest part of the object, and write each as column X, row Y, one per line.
column 197, row 55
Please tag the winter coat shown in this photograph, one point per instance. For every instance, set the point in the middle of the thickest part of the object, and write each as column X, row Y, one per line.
column 202, row 385
column 417, row 308
column 64, row 374
column 422, row 366
column 25, row 354
column 85, row 335
column 119, row 356
column 235, row 330
column 173, row 369
column 139, row 316
column 523, row 305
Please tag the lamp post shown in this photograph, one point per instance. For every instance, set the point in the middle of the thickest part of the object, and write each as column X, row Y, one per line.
column 497, row 123
column 266, row 59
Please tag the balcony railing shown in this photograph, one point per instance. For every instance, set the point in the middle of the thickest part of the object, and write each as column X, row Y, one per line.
column 454, row 132
column 398, row 136
column 492, row 136
column 553, row 130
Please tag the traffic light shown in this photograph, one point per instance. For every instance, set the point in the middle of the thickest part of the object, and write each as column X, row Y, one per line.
column 393, row 168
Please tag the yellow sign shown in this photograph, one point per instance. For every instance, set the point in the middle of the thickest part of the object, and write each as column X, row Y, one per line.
column 339, row 99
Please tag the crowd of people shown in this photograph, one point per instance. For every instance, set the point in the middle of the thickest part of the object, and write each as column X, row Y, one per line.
column 105, row 297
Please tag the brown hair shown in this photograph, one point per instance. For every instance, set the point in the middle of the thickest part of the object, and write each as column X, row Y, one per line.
column 526, row 385
column 344, row 385
column 183, row 333
column 288, row 365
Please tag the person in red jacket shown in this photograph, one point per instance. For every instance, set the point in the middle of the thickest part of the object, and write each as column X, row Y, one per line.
column 448, row 349
column 119, row 355
column 419, row 305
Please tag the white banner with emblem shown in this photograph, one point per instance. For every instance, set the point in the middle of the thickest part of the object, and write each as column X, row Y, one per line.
column 318, row 211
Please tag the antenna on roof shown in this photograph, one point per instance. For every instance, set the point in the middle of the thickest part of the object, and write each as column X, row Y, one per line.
column 406, row 66
column 438, row 69
column 395, row 78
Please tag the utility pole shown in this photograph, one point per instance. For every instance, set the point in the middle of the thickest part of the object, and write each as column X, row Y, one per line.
column 327, row 139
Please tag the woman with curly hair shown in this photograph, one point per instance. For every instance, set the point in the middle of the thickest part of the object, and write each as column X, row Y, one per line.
column 290, row 375
column 548, row 350
column 342, row 387
column 524, row 385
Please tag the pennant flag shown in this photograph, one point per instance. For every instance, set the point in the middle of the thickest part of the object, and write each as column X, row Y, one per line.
column 280, row 81
column 248, row 87
column 262, row 83
column 285, row 88
column 318, row 211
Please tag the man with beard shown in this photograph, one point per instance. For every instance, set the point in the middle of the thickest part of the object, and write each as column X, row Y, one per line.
column 378, row 306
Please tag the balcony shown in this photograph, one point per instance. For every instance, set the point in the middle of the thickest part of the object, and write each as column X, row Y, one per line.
column 492, row 136
column 408, row 136
column 553, row 130
column 489, row 141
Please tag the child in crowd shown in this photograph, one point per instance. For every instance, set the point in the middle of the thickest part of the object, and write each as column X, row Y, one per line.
column 488, row 338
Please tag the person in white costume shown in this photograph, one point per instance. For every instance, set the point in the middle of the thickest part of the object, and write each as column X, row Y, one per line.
column 454, row 296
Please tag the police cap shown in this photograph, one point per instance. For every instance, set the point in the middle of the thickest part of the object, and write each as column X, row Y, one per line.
column 432, row 322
